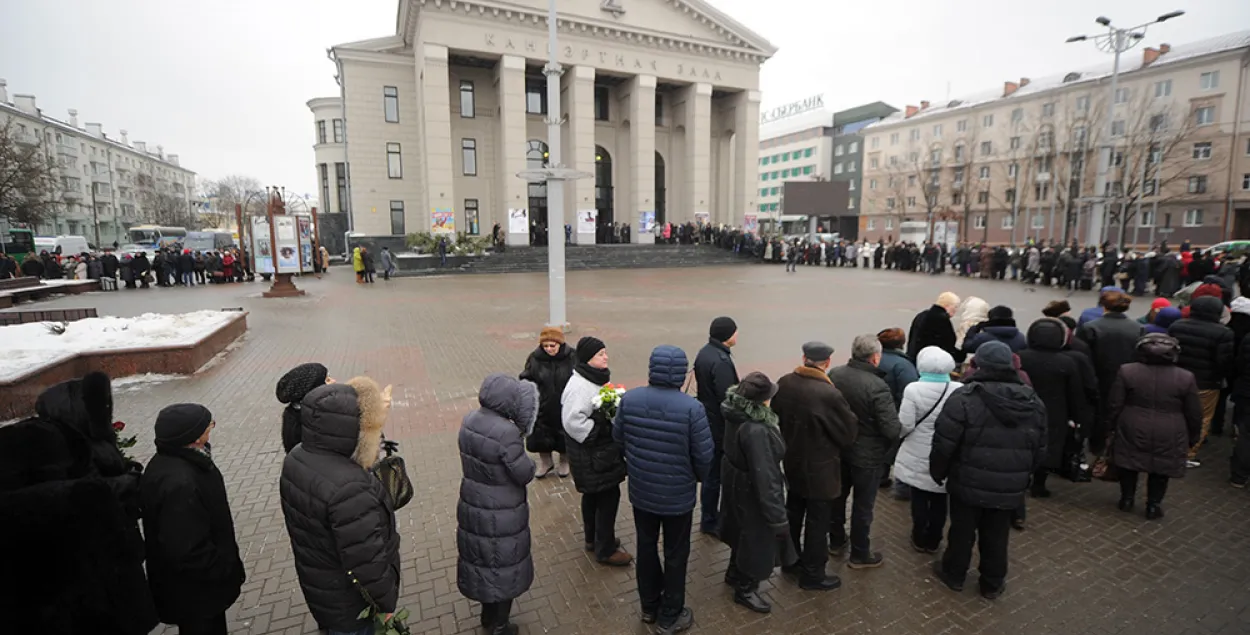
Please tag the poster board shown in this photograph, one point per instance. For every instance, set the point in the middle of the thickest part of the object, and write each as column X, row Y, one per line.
column 586, row 220
column 646, row 222
column 442, row 221
column 305, row 242
column 261, row 249
column 701, row 218
column 518, row 221
column 286, row 234
column 751, row 224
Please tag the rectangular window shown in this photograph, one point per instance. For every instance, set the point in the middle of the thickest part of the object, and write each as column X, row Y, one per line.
column 1017, row 115
column 983, row 198
column 911, row 180
column 1245, row 182
column 1156, row 154
column 837, row 168
column 785, row 156
column 603, row 99
column 984, row 172
column 850, row 167
column 1163, row 88
column 774, row 175
column 876, row 143
column 324, row 172
column 808, row 169
column 854, row 147
column 837, row 150
column 390, row 108
column 1197, row 185
column 850, row 185
column 340, row 177
column 394, row 162
column 1117, row 158
column 874, row 163
column 872, row 183
column 1010, row 195
column 893, row 138
column 536, row 95
column 785, row 174
column 937, row 131
column 468, row 102
column 957, row 198
column 1041, row 192
column 914, row 135
column 1122, row 95
column 872, row 224
column 1158, row 123
column 987, row 121
column 1048, row 109
column 1193, row 218
column 889, row 203
column 1082, row 103
column 1038, row 221
column 397, row 218
column 1202, row 150
column 1118, row 128
column 1205, row 115
column 911, row 201
column 659, row 110
column 472, row 221
column 986, row 148
column 468, row 156
column 807, row 153
column 1146, row 218
column 1013, row 143
column 321, row 131
column 1209, row 80
column 935, row 157
column 774, row 191
column 961, row 125
column 1013, row 170
column 850, row 203
column 889, row 223
column 1149, row 187
column 1008, row 221
column 338, row 130
column 978, row 221
column 959, row 152
column 1046, row 139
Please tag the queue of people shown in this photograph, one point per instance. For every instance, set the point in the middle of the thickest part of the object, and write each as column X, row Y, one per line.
column 169, row 267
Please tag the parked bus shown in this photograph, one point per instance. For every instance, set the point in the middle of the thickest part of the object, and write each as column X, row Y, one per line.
column 208, row 240
column 18, row 243
column 155, row 237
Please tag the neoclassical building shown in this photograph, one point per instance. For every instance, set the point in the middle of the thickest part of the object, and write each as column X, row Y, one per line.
column 659, row 101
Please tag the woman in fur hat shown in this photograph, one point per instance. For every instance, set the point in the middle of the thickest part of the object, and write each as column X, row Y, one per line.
column 550, row 366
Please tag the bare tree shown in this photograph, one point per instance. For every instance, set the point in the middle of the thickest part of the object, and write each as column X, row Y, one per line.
column 29, row 187
column 227, row 192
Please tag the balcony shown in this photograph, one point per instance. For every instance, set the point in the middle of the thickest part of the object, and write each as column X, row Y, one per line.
column 101, row 177
column 25, row 137
column 67, row 149
column 1043, row 177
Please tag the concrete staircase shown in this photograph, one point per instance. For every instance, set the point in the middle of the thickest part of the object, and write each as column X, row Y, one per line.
column 576, row 258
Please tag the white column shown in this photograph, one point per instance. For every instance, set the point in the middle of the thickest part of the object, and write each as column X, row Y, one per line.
column 443, row 155
column 743, row 199
column 698, row 122
column 513, row 192
column 642, row 155
column 579, row 82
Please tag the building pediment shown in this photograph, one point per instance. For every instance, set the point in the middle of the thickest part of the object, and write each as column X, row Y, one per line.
column 689, row 25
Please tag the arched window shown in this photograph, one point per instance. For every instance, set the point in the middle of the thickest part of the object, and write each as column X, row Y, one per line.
column 603, row 191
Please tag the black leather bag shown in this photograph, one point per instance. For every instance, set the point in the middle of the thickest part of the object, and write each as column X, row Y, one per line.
column 393, row 473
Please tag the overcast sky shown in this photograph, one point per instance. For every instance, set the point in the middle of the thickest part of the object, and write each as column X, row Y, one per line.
column 223, row 83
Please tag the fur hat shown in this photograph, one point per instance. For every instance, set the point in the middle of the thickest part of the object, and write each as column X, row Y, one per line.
column 181, row 424
column 551, row 334
column 588, row 347
column 892, row 338
column 374, row 404
column 722, row 329
column 756, row 387
column 1056, row 308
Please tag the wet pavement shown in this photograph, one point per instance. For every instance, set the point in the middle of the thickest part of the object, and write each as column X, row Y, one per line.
column 1080, row 567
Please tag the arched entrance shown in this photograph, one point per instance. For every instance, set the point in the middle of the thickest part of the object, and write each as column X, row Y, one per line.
column 660, row 216
column 603, row 195
column 536, row 159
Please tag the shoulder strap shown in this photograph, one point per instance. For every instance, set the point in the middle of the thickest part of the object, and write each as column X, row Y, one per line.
column 937, row 403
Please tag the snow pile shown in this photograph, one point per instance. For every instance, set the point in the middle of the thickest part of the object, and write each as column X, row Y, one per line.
column 137, row 382
column 29, row 346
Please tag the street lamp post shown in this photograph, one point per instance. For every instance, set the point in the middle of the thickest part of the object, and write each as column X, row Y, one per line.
column 1116, row 41
column 554, row 174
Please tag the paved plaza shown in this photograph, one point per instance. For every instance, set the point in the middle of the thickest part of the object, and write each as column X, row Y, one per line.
column 1080, row 567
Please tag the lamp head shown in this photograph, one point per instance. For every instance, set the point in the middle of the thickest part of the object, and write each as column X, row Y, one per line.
column 1169, row 16
column 1103, row 20
column 1075, row 38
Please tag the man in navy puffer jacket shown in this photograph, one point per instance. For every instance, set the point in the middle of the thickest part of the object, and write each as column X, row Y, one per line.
column 668, row 448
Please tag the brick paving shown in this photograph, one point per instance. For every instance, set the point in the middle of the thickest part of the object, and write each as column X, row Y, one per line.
column 1081, row 567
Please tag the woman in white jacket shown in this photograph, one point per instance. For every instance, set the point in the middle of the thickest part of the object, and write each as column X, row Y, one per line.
column 922, row 403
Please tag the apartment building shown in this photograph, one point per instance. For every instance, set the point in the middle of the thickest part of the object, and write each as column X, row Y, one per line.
column 1020, row 161
column 107, row 184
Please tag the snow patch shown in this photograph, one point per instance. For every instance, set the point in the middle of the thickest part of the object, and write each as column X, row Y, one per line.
column 136, row 382
column 30, row 346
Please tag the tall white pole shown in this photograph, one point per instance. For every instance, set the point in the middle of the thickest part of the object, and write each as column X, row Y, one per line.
column 555, row 186
column 1097, row 212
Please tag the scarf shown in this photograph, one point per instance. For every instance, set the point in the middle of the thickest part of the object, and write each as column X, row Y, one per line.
column 754, row 410
column 937, row 378
column 596, row 376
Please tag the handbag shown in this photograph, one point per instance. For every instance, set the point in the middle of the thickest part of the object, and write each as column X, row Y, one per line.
column 1103, row 469
column 393, row 474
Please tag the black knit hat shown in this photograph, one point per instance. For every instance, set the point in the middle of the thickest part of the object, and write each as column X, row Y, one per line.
column 181, row 424
column 722, row 329
column 588, row 347
column 299, row 381
column 756, row 387
column 1000, row 312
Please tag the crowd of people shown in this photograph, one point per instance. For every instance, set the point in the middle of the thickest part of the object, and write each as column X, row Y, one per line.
column 965, row 413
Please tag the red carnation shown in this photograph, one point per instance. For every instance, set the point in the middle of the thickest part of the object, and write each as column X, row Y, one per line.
column 118, row 426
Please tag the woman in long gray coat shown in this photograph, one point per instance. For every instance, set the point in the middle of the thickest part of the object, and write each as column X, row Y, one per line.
column 493, row 514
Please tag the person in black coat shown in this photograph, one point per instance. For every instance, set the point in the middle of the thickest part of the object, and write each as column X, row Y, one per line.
column 1057, row 380
column 988, row 441
column 186, row 268
column 549, row 367
column 1207, row 351
column 140, row 267
column 194, row 566
column 1112, row 341
column 72, row 554
column 338, row 514
column 291, row 390
column 1001, row 326
column 932, row 327
column 714, row 373
column 32, row 266
column 494, row 566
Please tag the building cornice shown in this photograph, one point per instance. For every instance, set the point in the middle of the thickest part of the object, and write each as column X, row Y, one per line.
column 742, row 45
column 325, row 102
column 49, row 122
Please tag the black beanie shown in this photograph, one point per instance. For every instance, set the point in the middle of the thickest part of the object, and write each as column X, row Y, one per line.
column 300, row 381
column 179, row 425
column 1000, row 312
column 588, row 347
column 722, row 329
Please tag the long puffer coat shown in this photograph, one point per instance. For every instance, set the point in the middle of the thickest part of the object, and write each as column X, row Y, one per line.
column 1206, row 345
column 925, row 398
column 988, row 441
column 666, row 436
column 1056, row 377
column 493, row 514
column 754, row 488
column 1156, row 411
column 551, row 374
column 337, row 513
column 596, row 460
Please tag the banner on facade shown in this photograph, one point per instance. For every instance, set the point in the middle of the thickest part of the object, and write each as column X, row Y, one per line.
column 288, row 249
column 646, row 222
column 442, row 221
column 701, row 218
column 518, row 221
column 261, row 250
column 750, row 224
column 586, row 220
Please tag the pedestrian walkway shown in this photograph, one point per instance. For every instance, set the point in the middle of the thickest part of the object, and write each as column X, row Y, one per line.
column 1081, row 567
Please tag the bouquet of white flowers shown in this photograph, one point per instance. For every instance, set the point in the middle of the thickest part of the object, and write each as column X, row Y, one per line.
column 608, row 398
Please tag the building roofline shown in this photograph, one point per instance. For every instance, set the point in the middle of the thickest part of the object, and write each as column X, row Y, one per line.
column 66, row 127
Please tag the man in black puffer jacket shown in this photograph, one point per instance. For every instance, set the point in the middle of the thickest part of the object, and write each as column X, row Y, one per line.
column 990, row 437
column 337, row 513
column 1207, row 352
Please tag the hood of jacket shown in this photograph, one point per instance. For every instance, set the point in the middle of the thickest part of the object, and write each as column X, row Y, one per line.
column 1048, row 334
column 1240, row 304
column 934, row 361
column 1008, row 402
column 86, row 405
column 667, row 368
column 345, row 419
column 1166, row 316
column 1158, row 349
column 513, row 399
column 1207, row 309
